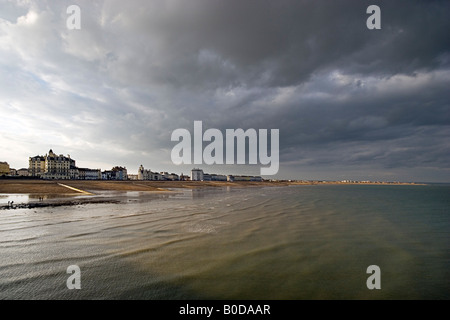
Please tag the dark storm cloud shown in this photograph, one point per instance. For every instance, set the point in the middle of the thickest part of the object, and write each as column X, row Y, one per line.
column 394, row 125
column 281, row 43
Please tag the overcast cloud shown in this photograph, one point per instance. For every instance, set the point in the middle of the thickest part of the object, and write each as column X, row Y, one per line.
column 350, row 103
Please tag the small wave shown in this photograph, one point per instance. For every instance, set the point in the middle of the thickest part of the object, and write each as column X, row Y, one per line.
column 201, row 228
column 80, row 235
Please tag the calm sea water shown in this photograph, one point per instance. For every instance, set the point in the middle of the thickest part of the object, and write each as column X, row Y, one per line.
column 298, row 242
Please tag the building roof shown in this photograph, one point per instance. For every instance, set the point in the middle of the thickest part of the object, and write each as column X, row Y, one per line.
column 36, row 157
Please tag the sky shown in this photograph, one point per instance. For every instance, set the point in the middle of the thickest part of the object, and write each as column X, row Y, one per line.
column 349, row 102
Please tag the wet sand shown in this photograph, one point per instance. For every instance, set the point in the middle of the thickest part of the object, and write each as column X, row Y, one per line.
column 43, row 193
column 46, row 187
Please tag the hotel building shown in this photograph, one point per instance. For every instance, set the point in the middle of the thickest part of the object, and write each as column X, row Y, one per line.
column 51, row 166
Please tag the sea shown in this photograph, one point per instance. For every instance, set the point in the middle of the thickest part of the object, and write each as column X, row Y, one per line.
column 306, row 242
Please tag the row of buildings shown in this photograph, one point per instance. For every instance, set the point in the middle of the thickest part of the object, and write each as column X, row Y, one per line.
column 196, row 175
column 53, row 166
column 60, row 167
column 146, row 174
column 199, row 175
column 5, row 170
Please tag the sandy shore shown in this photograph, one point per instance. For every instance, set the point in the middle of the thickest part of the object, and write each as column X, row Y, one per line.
column 45, row 193
column 73, row 192
column 46, row 187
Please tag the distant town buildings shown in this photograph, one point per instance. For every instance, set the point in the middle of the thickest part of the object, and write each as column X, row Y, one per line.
column 145, row 174
column 53, row 166
column 243, row 178
column 88, row 174
column 60, row 167
column 173, row 177
column 218, row 177
column 132, row 176
column 184, row 177
column 4, row 168
column 23, row 172
column 12, row 172
column 199, row 175
column 116, row 173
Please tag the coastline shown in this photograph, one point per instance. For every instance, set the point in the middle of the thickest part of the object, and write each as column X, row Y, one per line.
column 66, row 187
column 46, row 193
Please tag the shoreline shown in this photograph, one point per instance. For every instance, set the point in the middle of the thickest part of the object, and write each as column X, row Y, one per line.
column 93, row 187
column 55, row 193
column 39, row 186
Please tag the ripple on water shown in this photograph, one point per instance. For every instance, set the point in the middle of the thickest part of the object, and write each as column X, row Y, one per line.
column 300, row 242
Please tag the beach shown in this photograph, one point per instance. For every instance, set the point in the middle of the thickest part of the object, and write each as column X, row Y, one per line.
column 42, row 193
column 39, row 186
column 55, row 187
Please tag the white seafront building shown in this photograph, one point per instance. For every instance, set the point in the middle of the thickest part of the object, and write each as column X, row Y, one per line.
column 146, row 174
column 197, row 174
